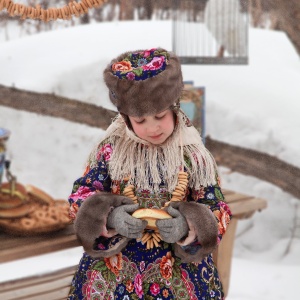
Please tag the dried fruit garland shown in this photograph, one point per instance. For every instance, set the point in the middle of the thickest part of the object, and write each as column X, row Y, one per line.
column 50, row 14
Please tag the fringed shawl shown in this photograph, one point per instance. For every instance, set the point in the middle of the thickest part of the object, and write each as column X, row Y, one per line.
column 147, row 165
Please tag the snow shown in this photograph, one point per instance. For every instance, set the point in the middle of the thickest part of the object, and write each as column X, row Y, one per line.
column 254, row 106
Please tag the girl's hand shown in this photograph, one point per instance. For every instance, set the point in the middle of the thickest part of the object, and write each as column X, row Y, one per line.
column 124, row 223
column 192, row 236
column 172, row 230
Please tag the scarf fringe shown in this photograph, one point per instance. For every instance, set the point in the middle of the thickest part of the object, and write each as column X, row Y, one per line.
column 147, row 164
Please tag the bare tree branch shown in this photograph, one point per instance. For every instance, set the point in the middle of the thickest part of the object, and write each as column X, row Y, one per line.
column 56, row 106
column 261, row 165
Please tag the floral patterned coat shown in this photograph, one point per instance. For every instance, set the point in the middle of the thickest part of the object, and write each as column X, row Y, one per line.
column 137, row 272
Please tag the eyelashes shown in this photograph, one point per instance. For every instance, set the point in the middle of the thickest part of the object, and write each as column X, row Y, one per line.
column 160, row 117
column 139, row 122
column 156, row 117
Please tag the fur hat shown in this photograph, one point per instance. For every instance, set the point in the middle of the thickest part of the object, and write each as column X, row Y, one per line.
column 144, row 82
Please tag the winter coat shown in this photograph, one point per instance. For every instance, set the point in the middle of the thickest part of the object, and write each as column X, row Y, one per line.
column 136, row 272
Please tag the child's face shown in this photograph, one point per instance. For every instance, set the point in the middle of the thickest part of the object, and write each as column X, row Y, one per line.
column 155, row 128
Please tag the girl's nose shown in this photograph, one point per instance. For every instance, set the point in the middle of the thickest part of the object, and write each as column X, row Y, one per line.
column 153, row 126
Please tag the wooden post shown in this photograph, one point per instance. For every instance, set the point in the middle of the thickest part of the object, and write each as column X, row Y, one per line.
column 223, row 256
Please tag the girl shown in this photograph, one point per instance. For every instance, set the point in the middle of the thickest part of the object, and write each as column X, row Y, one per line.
column 150, row 157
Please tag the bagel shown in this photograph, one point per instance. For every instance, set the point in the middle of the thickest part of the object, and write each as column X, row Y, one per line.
column 151, row 215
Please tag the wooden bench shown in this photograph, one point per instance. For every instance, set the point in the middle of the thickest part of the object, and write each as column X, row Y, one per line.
column 50, row 286
column 55, row 285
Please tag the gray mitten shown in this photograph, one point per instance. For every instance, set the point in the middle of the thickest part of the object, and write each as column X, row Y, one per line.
column 124, row 223
column 91, row 219
column 172, row 230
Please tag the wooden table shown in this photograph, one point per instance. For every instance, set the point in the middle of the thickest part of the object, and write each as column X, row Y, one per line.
column 12, row 248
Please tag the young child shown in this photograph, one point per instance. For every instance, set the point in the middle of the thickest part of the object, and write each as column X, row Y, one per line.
column 150, row 157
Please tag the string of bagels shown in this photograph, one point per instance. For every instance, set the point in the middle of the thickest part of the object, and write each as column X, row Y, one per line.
column 50, row 14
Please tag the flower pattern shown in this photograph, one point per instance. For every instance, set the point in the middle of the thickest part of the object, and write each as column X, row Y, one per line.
column 122, row 66
column 155, row 64
column 154, row 289
column 138, row 285
column 114, row 263
column 166, row 266
column 141, row 65
column 223, row 217
column 105, row 151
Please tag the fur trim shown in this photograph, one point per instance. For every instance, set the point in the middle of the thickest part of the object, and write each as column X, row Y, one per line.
column 91, row 220
column 145, row 97
column 206, row 226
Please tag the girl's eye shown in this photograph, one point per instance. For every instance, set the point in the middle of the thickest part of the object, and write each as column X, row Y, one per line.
column 159, row 117
column 139, row 121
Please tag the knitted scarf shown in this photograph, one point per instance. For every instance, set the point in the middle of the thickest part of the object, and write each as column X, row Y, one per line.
column 147, row 165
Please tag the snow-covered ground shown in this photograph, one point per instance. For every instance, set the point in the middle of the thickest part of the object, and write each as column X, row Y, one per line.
column 255, row 106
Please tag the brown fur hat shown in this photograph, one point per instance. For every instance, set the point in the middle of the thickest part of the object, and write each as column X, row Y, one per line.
column 144, row 82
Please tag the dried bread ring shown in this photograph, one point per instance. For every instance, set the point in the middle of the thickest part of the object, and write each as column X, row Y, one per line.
column 84, row 7
column 78, row 7
column 64, row 219
column 155, row 242
column 178, row 191
column 21, row 9
column 53, row 213
column 59, row 14
column 88, row 4
column 151, row 243
column 27, row 223
column 184, row 185
column 182, row 179
column 177, row 194
column 32, row 13
column 175, row 199
column 129, row 188
column 39, row 214
column 1, row 4
column 129, row 194
column 67, row 11
column 38, row 11
column 73, row 9
column 97, row 3
column 55, row 13
column 179, row 187
column 155, row 237
column 10, row 4
column 50, row 14
column 47, row 221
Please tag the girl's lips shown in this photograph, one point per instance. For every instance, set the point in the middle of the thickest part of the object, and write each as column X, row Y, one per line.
column 156, row 136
